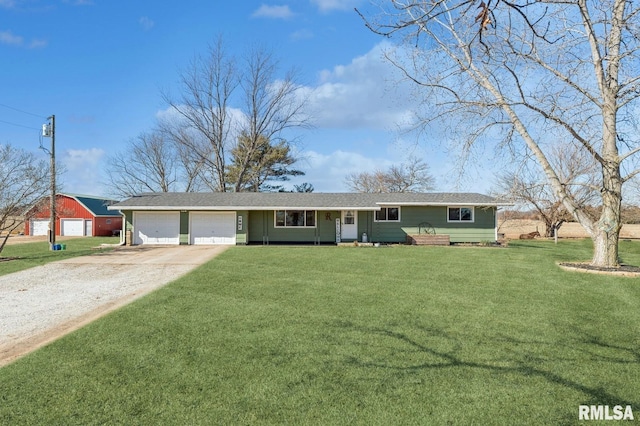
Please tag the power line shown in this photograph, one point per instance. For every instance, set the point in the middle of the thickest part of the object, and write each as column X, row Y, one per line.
column 23, row 112
column 19, row 125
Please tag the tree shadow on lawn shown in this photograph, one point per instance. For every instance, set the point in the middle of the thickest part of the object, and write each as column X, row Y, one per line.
column 520, row 361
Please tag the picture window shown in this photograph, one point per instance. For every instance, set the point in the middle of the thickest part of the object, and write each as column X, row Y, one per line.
column 388, row 214
column 295, row 218
column 460, row 214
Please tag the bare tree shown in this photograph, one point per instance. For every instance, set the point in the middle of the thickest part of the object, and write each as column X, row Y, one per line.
column 529, row 70
column 266, row 106
column 578, row 174
column 23, row 182
column 271, row 106
column 151, row 163
column 411, row 176
column 204, row 122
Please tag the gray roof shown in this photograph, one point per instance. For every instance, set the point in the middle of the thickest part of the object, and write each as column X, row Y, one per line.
column 298, row 200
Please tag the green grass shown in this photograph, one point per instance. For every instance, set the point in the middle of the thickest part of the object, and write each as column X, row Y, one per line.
column 334, row 335
column 36, row 254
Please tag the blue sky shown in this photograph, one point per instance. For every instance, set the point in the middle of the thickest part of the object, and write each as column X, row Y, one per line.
column 99, row 66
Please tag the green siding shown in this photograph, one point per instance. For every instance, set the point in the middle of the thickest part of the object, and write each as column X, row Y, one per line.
column 482, row 228
column 262, row 229
column 128, row 220
column 242, row 233
column 365, row 222
column 184, row 228
column 128, row 226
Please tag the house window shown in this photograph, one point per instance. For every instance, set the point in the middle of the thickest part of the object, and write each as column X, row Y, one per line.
column 459, row 214
column 388, row 214
column 108, row 221
column 295, row 218
column 349, row 218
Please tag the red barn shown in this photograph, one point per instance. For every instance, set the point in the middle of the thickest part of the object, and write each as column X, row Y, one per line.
column 76, row 215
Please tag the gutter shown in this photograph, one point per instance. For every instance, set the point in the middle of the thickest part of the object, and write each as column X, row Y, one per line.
column 249, row 208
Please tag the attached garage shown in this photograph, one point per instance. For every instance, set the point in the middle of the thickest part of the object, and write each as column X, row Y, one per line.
column 212, row 228
column 39, row 227
column 72, row 227
column 156, row 227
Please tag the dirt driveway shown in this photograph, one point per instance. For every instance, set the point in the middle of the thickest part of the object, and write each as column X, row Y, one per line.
column 41, row 304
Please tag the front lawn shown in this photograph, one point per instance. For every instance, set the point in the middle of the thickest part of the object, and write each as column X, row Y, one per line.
column 340, row 335
column 35, row 254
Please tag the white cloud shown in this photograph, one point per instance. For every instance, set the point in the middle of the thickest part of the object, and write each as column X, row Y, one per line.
column 276, row 12
column 83, row 168
column 329, row 5
column 38, row 43
column 146, row 23
column 327, row 172
column 367, row 93
column 82, row 159
column 7, row 37
column 79, row 2
column 303, row 34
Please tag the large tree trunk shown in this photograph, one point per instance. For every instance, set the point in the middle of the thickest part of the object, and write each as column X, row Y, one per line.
column 606, row 231
column 605, row 248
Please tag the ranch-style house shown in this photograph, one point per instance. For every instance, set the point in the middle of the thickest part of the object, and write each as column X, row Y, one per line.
column 310, row 218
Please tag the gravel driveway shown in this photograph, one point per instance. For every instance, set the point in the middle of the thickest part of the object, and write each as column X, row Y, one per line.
column 41, row 304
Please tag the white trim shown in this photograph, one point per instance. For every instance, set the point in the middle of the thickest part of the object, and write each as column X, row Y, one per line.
column 423, row 204
column 236, row 208
column 79, row 202
column 75, row 197
column 473, row 214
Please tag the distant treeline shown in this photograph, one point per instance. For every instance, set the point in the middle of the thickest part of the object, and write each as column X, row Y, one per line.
column 630, row 214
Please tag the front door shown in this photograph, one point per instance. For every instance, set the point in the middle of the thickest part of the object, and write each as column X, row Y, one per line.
column 349, row 229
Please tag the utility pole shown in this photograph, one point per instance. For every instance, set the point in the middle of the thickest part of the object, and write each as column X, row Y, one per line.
column 49, row 131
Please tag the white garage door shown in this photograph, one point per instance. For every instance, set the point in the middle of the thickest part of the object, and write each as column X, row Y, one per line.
column 156, row 227
column 72, row 227
column 212, row 228
column 39, row 227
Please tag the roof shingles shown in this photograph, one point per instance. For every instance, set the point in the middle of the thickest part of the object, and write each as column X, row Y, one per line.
column 281, row 200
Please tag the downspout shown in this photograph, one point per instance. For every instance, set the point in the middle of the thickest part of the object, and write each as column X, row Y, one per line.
column 123, row 234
